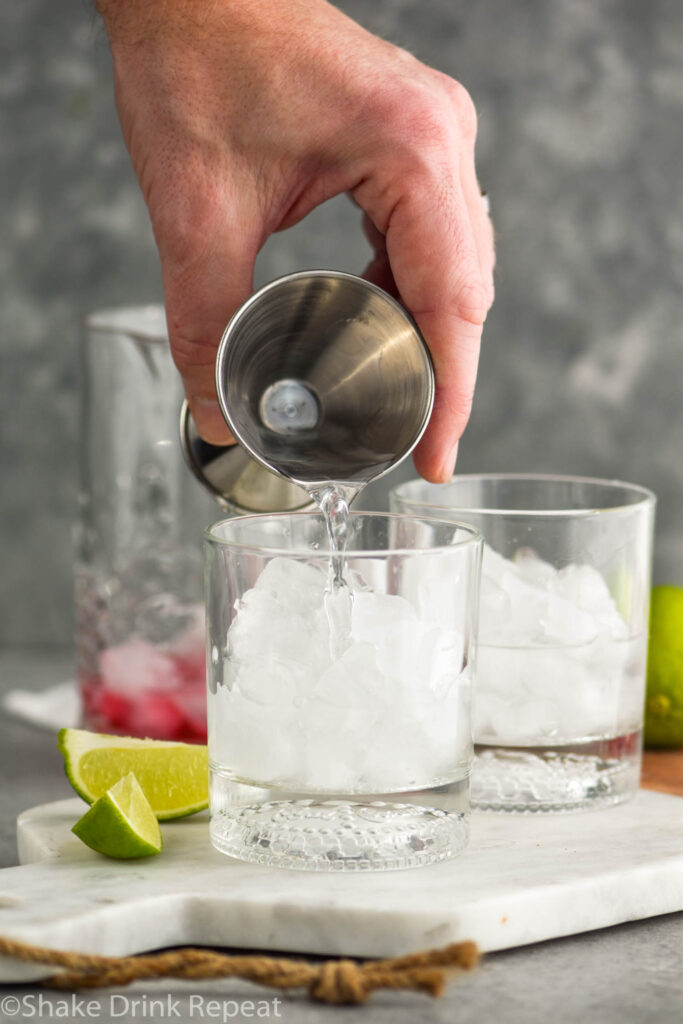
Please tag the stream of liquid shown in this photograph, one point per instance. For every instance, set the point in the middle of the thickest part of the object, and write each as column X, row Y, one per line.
column 334, row 500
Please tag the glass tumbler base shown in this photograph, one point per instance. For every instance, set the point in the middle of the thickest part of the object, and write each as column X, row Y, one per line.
column 320, row 833
column 556, row 779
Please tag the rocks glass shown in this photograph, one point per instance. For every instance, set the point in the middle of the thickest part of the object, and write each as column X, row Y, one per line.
column 339, row 691
column 139, row 608
column 561, row 662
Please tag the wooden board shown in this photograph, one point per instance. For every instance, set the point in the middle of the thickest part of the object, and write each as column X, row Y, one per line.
column 663, row 771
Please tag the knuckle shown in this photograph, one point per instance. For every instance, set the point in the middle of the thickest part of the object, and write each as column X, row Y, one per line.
column 465, row 110
column 414, row 117
column 182, row 228
column 429, row 116
column 472, row 302
column 192, row 354
column 459, row 403
column 187, row 354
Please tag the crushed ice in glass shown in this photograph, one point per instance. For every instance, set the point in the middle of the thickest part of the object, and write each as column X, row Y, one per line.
column 556, row 662
column 373, row 709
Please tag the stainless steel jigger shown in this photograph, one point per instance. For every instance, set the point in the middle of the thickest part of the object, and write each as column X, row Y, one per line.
column 233, row 478
column 323, row 377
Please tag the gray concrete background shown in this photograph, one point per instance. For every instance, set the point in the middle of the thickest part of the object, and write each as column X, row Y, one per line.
column 580, row 147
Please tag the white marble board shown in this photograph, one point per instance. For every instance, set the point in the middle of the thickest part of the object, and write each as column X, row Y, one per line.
column 521, row 880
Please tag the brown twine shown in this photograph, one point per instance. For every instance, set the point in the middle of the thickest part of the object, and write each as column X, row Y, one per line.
column 334, row 981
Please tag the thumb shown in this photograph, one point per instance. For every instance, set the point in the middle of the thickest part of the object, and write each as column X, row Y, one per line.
column 205, row 281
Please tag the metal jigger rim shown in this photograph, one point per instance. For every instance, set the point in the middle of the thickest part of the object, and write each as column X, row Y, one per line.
column 278, row 282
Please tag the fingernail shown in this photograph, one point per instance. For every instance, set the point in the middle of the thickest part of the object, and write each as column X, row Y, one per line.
column 209, row 420
column 202, row 404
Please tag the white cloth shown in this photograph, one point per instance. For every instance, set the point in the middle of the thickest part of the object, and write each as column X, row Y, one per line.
column 54, row 708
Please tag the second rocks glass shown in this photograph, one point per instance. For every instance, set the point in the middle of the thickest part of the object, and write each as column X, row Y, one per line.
column 565, row 589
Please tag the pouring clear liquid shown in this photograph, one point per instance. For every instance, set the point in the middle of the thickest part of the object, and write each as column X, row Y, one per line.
column 333, row 501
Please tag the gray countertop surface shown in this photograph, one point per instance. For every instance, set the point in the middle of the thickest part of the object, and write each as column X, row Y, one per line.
column 630, row 973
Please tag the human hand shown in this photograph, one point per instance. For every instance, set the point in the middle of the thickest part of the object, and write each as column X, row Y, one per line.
column 241, row 117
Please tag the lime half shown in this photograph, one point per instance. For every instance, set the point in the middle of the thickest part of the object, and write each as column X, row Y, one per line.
column 121, row 823
column 174, row 776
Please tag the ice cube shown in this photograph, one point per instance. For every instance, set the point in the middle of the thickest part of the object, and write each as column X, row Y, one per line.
column 584, row 586
column 523, row 604
column 436, row 589
column 445, row 728
column 495, row 611
column 277, row 648
column 380, row 713
column 552, row 650
column 440, row 657
column 270, row 681
column 532, row 568
column 509, row 606
column 378, row 615
column 294, row 584
column 396, row 758
column 265, row 625
column 592, row 710
column 388, row 623
column 500, row 671
column 334, row 768
column 114, row 708
column 485, row 707
column 155, row 714
column 550, row 671
column 138, row 665
column 493, row 565
column 356, row 680
column 564, row 623
column 334, row 739
column 512, row 682
column 258, row 745
column 367, row 574
column 526, row 723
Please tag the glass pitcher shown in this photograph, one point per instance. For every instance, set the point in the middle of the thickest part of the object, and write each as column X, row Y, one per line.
column 138, row 574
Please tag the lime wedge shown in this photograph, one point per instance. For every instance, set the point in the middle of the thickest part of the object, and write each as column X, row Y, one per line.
column 121, row 823
column 174, row 776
